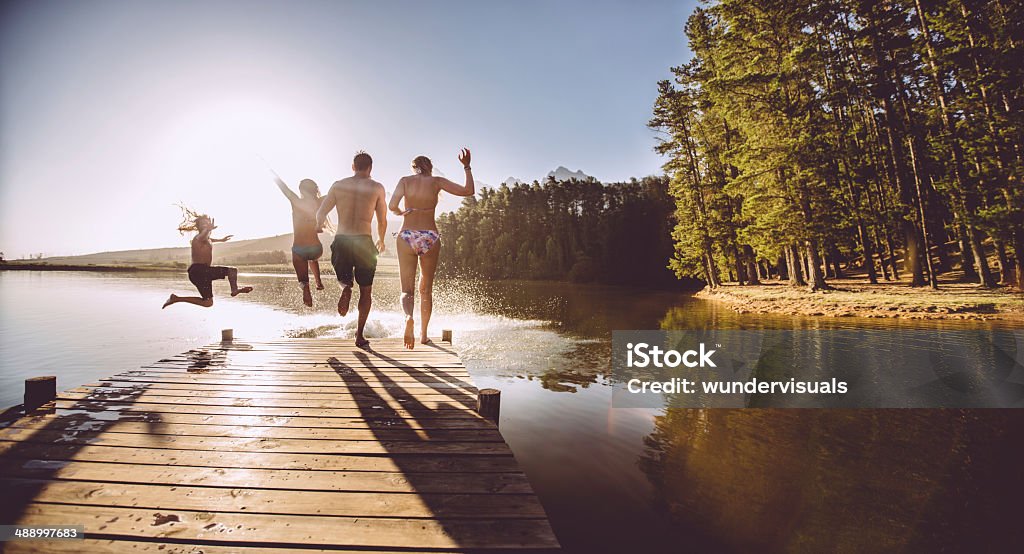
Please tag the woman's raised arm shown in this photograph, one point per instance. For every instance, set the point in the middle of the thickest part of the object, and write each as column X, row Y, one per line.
column 458, row 190
column 291, row 196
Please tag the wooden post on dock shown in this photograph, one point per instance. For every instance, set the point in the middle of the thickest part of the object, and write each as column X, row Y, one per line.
column 488, row 404
column 227, row 335
column 446, row 336
column 39, row 391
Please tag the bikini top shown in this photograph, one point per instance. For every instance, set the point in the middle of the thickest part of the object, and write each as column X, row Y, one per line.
column 430, row 209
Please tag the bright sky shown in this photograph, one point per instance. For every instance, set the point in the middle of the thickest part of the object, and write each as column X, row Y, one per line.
column 111, row 112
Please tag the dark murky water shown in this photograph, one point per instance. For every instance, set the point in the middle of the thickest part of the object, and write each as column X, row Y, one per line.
column 611, row 479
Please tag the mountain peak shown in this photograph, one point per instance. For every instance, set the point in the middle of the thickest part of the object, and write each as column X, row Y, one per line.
column 562, row 173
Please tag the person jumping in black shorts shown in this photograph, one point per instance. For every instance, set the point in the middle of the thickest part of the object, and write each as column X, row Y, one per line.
column 201, row 273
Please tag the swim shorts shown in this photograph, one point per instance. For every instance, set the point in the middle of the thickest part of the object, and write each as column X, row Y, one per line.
column 203, row 276
column 312, row 252
column 354, row 255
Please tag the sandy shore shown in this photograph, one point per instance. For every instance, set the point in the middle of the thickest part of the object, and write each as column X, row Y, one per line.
column 859, row 298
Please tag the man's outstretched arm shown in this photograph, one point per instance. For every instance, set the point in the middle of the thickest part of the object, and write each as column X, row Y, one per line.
column 382, row 219
column 326, row 205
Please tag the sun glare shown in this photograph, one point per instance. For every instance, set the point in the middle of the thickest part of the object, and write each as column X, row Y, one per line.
column 218, row 157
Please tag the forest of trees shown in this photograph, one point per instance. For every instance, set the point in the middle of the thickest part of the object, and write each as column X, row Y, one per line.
column 583, row 231
column 806, row 137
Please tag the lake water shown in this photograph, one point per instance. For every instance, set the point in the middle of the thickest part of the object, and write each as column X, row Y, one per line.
column 611, row 479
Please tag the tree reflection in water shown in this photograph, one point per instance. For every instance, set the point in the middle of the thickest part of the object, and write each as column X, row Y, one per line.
column 841, row 480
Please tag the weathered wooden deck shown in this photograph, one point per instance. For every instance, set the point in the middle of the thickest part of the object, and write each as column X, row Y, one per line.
column 306, row 444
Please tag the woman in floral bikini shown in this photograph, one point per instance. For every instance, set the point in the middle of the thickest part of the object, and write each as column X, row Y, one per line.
column 419, row 241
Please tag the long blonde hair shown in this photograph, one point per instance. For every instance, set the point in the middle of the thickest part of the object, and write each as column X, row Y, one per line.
column 314, row 188
column 189, row 219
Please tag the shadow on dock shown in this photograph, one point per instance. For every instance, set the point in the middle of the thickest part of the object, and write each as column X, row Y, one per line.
column 48, row 439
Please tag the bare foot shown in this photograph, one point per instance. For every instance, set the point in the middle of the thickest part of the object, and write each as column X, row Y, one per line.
column 170, row 300
column 425, row 340
column 345, row 300
column 243, row 290
column 319, row 285
column 361, row 342
column 410, row 340
column 307, row 297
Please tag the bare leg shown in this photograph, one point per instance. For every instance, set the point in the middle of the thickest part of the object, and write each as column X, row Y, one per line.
column 233, row 281
column 365, row 301
column 196, row 300
column 428, row 266
column 302, row 272
column 345, row 299
column 314, row 268
column 407, row 271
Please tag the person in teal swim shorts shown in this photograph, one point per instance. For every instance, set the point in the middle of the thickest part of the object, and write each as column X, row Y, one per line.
column 306, row 245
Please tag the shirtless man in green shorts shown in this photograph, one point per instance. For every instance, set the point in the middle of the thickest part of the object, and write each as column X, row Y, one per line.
column 358, row 200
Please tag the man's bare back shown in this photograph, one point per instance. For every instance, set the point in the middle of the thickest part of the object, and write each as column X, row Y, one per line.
column 357, row 199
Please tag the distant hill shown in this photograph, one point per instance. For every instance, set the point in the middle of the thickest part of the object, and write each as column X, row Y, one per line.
column 231, row 252
column 222, row 251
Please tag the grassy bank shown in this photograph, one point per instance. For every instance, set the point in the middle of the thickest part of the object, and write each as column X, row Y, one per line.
column 857, row 297
column 42, row 266
column 385, row 265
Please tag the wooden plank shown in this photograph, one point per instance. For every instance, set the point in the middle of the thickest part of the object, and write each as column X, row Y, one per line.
column 320, row 356
column 324, row 389
column 397, row 402
column 282, row 479
column 274, row 352
column 287, row 386
column 116, row 546
column 242, row 500
column 215, row 389
column 157, row 418
column 318, row 360
column 308, row 380
column 370, row 413
column 311, row 361
column 360, row 397
column 286, row 349
column 447, row 371
column 292, row 530
column 76, row 424
column 352, row 379
column 246, row 444
column 258, row 460
column 201, row 379
column 344, row 345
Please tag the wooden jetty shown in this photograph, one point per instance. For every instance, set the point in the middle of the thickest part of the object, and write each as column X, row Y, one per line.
column 286, row 445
